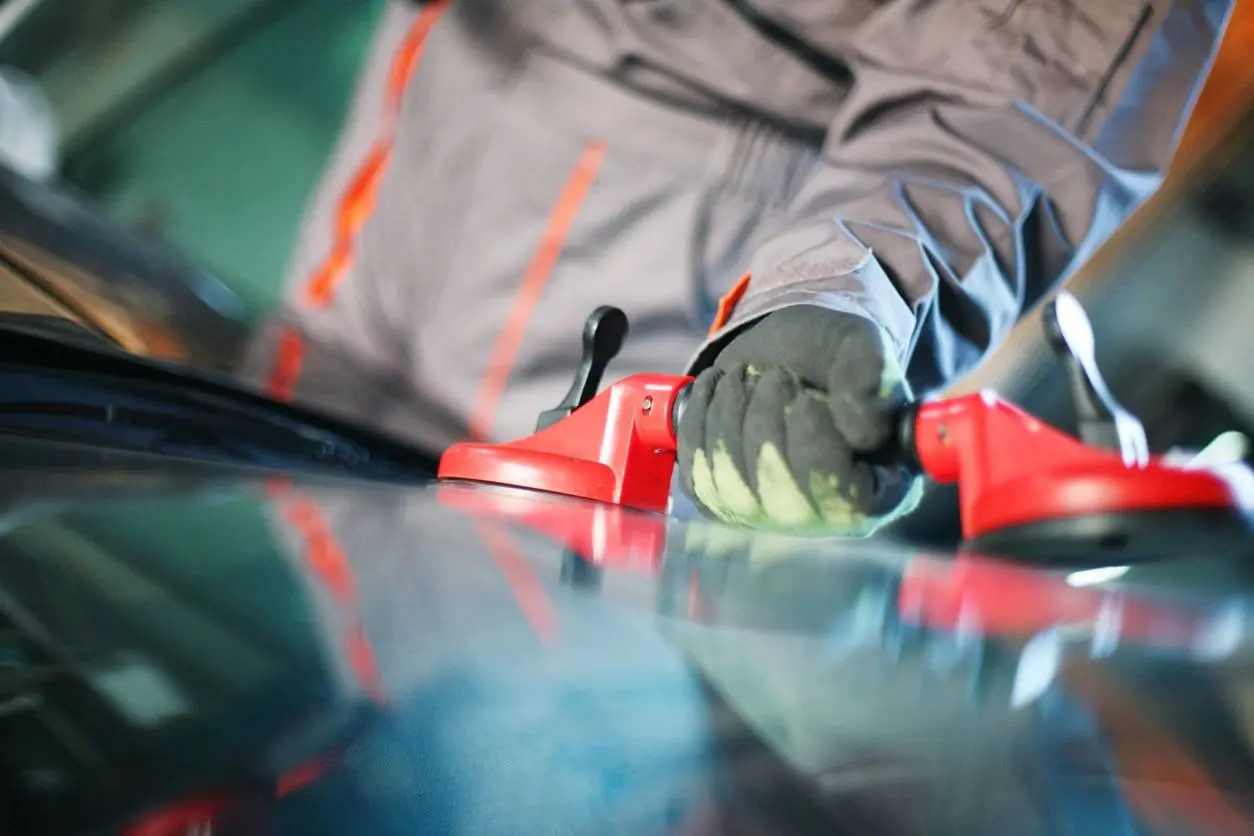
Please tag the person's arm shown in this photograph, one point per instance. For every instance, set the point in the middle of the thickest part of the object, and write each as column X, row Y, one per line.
column 978, row 161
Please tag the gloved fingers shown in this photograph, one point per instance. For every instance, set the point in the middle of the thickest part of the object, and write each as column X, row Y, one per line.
column 712, row 460
column 733, row 496
column 695, row 476
column 857, row 363
column 867, row 388
column 764, row 443
column 838, row 493
column 798, row 339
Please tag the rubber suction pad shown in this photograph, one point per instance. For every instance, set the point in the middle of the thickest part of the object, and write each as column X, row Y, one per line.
column 1126, row 538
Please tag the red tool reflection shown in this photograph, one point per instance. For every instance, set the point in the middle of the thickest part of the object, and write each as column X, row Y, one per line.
column 999, row 599
column 205, row 814
column 188, row 816
column 1007, row 601
column 604, row 535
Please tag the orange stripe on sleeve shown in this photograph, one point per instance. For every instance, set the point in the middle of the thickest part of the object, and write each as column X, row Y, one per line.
column 727, row 305
column 534, row 280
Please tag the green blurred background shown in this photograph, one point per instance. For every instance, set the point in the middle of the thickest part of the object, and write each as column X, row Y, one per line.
column 203, row 123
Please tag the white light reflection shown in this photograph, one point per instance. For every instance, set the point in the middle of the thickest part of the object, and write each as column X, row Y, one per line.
column 1106, row 628
column 1227, row 448
column 1092, row 577
column 1038, row 667
column 1221, row 637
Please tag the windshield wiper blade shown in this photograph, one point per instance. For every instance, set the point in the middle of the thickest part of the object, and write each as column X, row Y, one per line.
column 62, row 391
column 171, row 428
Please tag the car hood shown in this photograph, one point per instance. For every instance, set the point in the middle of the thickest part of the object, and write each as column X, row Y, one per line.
column 327, row 655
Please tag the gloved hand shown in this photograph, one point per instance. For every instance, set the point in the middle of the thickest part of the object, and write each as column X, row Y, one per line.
column 776, row 430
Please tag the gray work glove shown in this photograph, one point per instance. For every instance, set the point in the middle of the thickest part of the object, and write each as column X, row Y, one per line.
column 779, row 430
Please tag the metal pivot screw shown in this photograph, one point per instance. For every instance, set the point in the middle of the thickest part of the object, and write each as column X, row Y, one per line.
column 647, row 406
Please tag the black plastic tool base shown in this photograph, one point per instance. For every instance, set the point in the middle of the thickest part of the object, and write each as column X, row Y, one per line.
column 1126, row 538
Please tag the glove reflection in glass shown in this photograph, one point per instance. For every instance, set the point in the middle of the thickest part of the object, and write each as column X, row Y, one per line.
column 779, row 430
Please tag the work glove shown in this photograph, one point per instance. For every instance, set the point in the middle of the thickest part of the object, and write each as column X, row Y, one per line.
column 782, row 430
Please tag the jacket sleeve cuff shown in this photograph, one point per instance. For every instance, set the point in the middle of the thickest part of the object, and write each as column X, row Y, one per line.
column 854, row 293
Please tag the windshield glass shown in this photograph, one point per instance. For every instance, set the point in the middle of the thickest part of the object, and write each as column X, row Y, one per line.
column 786, row 685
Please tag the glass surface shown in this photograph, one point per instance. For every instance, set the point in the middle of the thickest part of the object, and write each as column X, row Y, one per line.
column 447, row 659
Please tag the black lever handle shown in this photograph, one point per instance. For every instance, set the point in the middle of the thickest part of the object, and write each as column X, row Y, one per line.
column 603, row 334
column 1101, row 420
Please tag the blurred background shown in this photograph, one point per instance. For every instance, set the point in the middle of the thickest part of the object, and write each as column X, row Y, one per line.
column 200, row 126
column 199, row 123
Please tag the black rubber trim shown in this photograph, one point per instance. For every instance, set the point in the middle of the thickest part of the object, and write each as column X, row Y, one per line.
column 905, row 446
column 99, row 386
column 678, row 407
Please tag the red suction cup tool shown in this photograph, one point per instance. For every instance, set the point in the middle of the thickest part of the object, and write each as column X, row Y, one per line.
column 1026, row 489
column 1024, row 485
column 616, row 447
